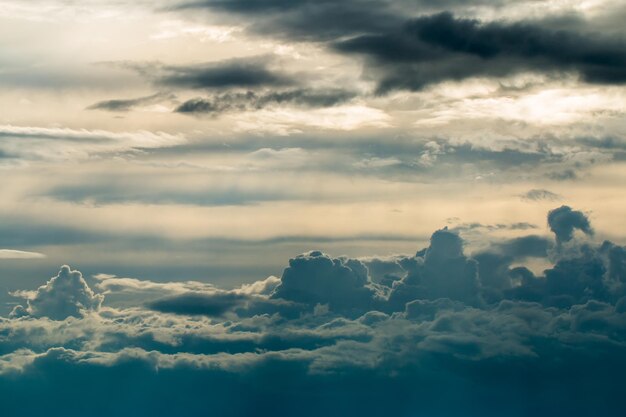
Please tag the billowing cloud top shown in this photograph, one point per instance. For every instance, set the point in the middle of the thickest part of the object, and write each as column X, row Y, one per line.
column 65, row 295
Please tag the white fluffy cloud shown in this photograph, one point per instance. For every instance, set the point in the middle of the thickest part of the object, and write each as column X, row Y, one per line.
column 67, row 294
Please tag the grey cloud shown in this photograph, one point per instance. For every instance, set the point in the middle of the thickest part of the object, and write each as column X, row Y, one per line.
column 316, row 278
column 304, row 19
column 409, row 51
column 250, row 100
column 494, row 264
column 65, row 295
column 220, row 303
column 439, row 271
column 434, row 48
column 197, row 303
column 540, row 194
column 124, row 105
column 233, row 73
column 563, row 175
column 103, row 194
column 616, row 257
column 492, row 358
column 533, row 158
column 466, row 361
column 522, row 247
column 563, row 221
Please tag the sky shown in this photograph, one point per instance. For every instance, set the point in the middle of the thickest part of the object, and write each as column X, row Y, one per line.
column 297, row 207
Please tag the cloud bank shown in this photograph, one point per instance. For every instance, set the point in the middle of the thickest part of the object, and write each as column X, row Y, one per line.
column 439, row 333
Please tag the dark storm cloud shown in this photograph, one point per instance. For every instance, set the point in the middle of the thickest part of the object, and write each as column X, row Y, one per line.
column 228, row 102
column 563, row 221
column 435, row 48
column 234, row 73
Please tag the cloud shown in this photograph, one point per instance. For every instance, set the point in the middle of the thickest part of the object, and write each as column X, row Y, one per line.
column 494, row 263
column 233, row 73
column 65, row 295
column 316, row 278
column 563, row 221
column 430, row 49
column 540, row 194
column 439, row 271
column 137, row 192
column 304, row 20
column 19, row 254
column 250, row 100
column 407, row 48
column 224, row 304
column 334, row 337
column 44, row 143
column 124, row 105
column 197, row 303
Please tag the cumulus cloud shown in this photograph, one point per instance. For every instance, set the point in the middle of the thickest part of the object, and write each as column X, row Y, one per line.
column 440, row 271
column 65, row 295
column 316, row 278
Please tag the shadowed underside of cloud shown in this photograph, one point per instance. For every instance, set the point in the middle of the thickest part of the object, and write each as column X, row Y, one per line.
column 439, row 333
column 232, row 73
column 250, row 100
column 123, row 105
column 405, row 50
column 435, row 48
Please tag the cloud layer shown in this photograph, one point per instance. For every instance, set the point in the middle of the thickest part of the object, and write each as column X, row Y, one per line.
column 442, row 333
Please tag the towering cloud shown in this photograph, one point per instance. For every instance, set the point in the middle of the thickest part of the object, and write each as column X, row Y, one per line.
column 65, row 295
column 316, row 278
